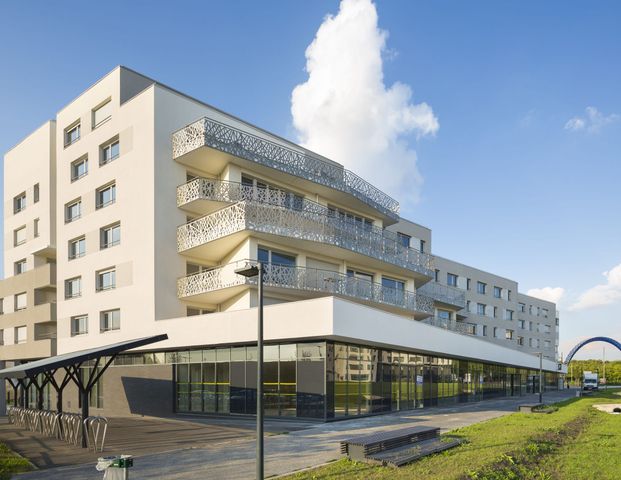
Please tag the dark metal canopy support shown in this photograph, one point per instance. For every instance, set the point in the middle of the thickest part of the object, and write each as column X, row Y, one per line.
column 15, row 385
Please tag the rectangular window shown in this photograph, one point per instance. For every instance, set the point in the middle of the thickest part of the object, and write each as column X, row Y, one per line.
column 522, row 307
column 36, row 227
column 471, row 328
column 437, row 275
column 79, row 168
column 497, row 292
column 1, row 337
column 451, row 279
column 484, row 330
column 73, row 211
column 1, row 306
column 520, row 341
column 481, row 288
column 444, row 314
column 20, row 334
column 102, row 113
column 35, row 193
column 495, row 312
column 20, row 266
column 276, row 258
column 19, row 236
column 467, row 306
column 509, row 334
column 19, row 202
column 545, row 312
column 522, row 324
column 110, row 236
column 404, row 239
column 20, row 301
column 77, row 248
column 422, row 246
column 73, row 287
column 393, row 291
column 508, row 314
column 106, row 195
column 191, row 311
column 110, row 320
column 106, row 279
column 509, row 295
column 72, row 134
column 79, row 325
column 480, row 309
column 495, row 332
column 468, row 284
column 531, row 342
column 109, row 152
column 546, row 344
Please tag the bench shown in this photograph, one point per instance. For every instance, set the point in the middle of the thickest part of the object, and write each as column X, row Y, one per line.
column 397, row 447
column 529, row 407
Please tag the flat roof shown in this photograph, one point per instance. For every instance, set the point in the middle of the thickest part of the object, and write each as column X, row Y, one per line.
column 31, row 369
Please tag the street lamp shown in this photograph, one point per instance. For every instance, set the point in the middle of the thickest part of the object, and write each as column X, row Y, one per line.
column 251, row 271
column 540, row 376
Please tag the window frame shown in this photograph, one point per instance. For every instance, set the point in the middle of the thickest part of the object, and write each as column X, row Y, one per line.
column 451, row 276
column 107, row 146
column 102, row 233
column 70, row 243
column 83, row 160
column 19, row 203
column 16, row 302
column 19, row 263
column 69, row 293
column 77, row 202
column 75, row 126
column 104, row 104
column 481, row 288
column 100, row 275
column 16, row 232
column 75, row 321
column 98, row 203
column 102, row 315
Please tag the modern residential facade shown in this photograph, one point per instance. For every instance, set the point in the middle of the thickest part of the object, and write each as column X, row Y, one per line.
column 146, row 202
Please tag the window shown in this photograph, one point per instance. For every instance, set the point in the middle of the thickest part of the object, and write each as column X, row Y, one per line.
column 350, row 217
column 437, row 275
column 497, row 292
column 546, row 344
column 495, row 332
column 530, row 309
column 468, row 306
column 276, row 258
column 73, row 287
column 404, row 239
column 484, row 330
column 509, row 295
column 19, row 236
column 19, row 202
column 79, row 168
column 110, row 320
column 73, row 211
column 20, row 334
column 422, row 246
column 110, row 236
column 72, row 134
column 1, row 306
column 531, row 342
column 522, row 307
column 444, row 314
column 451, row 279
column 481, row 287
column 35, row 226
column 393, row 290
column 509, row 314
column 360, row 275
column 495, row 312
column 467, row 284
column 20, row 266
column 471, row 328
column 522, row 324
column 109, row 152
column 545, row 312
column 79, row 325
column 509, row 334
column 20, row 301
column 106, row 195
column 77, row 248
column 530, row 326
column 520, row 341
column 106, row 279
column 256, row 189
column 35, row 193
column 193, row 268
column 1, row 337
column 480, row 309
column 191, row 312
column 102, row 113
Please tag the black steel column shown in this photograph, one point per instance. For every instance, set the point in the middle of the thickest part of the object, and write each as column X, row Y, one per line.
column 260, row 468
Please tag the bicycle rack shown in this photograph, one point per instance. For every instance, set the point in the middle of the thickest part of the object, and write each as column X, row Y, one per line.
column 93, row 427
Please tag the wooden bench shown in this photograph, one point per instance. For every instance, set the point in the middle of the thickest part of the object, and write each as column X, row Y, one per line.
column 397, row 447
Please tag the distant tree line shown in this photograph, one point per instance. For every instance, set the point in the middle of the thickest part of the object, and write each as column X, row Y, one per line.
column 613, row 370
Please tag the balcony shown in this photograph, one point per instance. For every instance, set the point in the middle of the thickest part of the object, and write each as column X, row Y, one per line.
column 265, row 152
column 445, row 294
column 29, row 350
column 459, row 327
column 220, row 283
column 274, row 212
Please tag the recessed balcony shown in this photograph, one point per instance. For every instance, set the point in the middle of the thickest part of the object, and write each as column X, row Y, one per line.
column 221, row 283
column 262, row 151
column 444, row 294
column 273, row 212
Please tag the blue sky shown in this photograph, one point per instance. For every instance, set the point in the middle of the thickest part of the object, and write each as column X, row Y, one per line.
column 505, row 184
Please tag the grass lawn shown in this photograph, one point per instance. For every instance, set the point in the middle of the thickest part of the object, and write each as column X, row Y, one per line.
column 574, row 442
column 11, row 463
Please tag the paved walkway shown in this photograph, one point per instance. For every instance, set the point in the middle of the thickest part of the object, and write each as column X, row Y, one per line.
column 314, row 445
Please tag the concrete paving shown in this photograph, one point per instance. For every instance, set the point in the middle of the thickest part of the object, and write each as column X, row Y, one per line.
column 309, row 445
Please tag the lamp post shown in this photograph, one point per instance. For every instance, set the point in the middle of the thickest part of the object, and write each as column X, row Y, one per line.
column 251, row 271
column 540, row 377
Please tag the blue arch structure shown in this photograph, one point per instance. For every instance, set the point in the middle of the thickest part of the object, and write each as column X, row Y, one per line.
column 609, row 340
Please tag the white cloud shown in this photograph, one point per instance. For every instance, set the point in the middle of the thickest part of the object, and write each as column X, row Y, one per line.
column 603, row 294
column 345, row 111
column 551, row 294
column 592, row 122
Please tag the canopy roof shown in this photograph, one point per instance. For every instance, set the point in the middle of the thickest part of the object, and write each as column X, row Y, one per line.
column 32, row 369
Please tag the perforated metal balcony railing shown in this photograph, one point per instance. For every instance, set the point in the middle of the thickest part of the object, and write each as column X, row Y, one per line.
column 207, row 132
column 279, row 213
column 308, row 280
column 445, row 294
column 459, row 327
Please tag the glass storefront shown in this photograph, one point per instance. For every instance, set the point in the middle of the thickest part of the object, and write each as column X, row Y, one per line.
column 326, row 380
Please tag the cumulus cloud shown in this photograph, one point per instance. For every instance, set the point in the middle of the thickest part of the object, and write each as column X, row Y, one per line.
column 602, row 294
column 551, row 294
column 593, row 121
column 345, row 111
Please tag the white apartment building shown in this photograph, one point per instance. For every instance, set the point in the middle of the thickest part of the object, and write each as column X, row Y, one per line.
column 128, row 213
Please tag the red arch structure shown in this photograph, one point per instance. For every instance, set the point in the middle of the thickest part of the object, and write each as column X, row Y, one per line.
column 574, row 350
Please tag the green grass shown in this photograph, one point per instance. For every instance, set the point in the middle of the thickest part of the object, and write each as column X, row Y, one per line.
column 11, row 463
column 574, row 442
